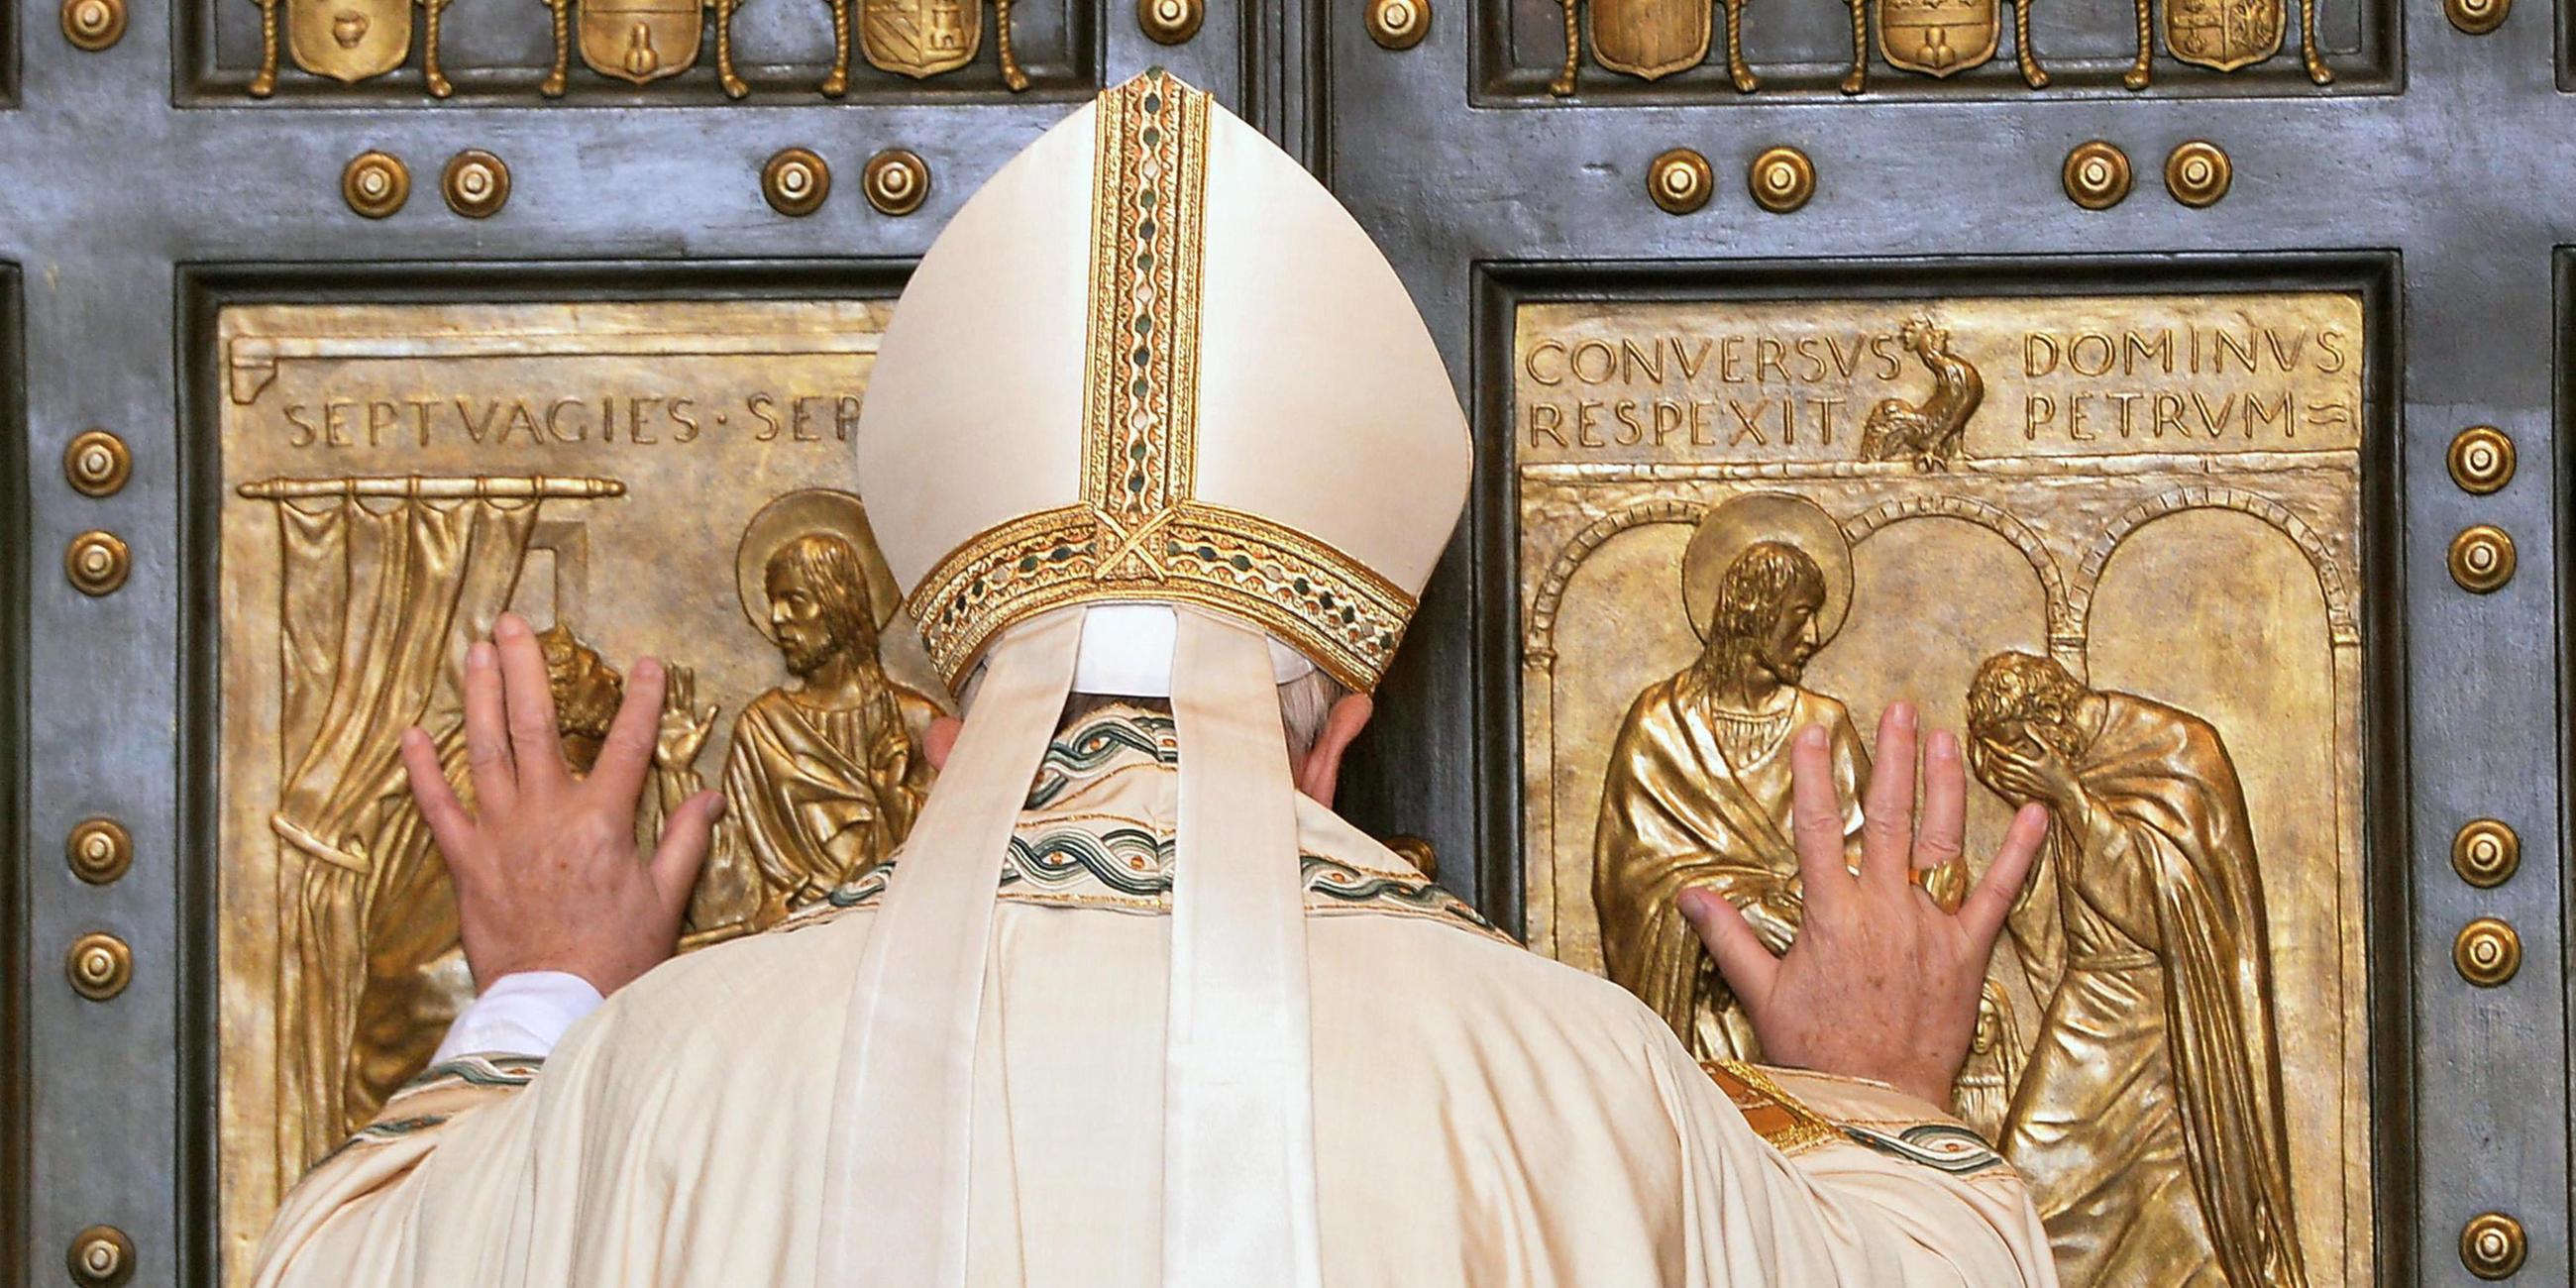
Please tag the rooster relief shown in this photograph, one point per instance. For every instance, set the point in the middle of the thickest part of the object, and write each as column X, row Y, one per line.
column 1927, row 434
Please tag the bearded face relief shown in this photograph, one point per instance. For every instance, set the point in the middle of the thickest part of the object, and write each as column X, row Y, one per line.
column 2011, row 511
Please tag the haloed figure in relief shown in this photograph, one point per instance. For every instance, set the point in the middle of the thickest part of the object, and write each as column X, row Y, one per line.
column 824, row 775
column 2149, row 1118
column 1697, row 792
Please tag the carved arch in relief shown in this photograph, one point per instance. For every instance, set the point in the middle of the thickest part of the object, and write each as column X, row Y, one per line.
column 2342, row 622
column 1538, row 645
column 2052, row 581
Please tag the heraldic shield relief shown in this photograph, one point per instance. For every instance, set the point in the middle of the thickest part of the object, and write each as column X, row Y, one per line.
column 1938, row 37
column 631, row 478
column 2224, row 34
column 2114, row 540
column 1648, row 38
column 920, row 38
column 349, row 40
column 641, row 40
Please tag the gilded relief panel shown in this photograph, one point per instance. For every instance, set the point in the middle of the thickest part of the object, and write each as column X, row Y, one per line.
column 633, row 479
column 2116, row 541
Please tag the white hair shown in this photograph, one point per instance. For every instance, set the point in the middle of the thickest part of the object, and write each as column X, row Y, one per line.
column 1304, row 704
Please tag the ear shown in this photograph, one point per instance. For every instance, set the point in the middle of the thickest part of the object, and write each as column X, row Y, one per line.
column 939, row 739
column 1320, row 773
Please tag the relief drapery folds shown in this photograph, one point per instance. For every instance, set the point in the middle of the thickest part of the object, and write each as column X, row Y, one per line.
column 2116, row 540
column 397, row 477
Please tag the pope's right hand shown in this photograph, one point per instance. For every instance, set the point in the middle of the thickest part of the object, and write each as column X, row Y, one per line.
column 546, row 869
column 1881, row 982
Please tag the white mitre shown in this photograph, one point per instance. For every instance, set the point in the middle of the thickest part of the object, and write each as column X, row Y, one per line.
column 1152, row 374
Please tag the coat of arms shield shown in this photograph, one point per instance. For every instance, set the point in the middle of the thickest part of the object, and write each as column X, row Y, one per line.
column 640, row 40
column 2224, row 34
column 1938, row 37
column 348, row 40
column 1650, row 38
column 920, row 38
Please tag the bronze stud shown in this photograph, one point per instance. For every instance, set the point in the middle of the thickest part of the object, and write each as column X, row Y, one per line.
column 96, row 563
column 2096, row 175
column 2477, row 17
column 101, row 1257
column 2482, row 559
column 2485, row 852
column 896, row 180
column 2487, row 952
column 1782, row 179
column 475, row 183
column 93, row 25
column 1170, row 22
column 2492, row 1245
column 99, row 965
column 96, row 463
column 796, row 181
column 2481, row 459
column 375, row 184
column 1680, row 181
column 1400, row 24
column 2198, row 173
column 99, row 850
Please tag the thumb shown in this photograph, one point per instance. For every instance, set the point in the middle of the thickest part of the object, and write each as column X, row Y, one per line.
column 685, row 839
column 1749, row 967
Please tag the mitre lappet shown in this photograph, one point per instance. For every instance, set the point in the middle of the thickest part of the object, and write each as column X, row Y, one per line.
column 1153, row 417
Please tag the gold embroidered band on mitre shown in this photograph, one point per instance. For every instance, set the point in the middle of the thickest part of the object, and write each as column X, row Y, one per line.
column 1139, row 533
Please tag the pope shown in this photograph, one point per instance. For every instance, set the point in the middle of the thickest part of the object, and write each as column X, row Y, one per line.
column 1162, row 455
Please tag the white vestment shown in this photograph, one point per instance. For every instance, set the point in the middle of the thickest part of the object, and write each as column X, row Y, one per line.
column 1482, row 1115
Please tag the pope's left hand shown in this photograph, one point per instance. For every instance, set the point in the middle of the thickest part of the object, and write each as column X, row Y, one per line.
column 546, row 870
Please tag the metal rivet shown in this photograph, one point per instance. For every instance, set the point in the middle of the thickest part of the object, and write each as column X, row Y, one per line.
column 2198, row 173
column 99, row 850
column 93, row 25
column 1680, row 181
column 2481, row 459
column 1399, row 24
column 100, row 966
column 96, row 563
column 2487, row 952
column 2482, row 559
column 796, row 181
column 96, row 463
column 101, row 1257
column 2477, row 17
column 1170, row 22
column 1782, row 179
column 2096, row 175
column 375, row 184
column 2492, row 1246
column 475, row 183
column 2485, row 852
column 896, row 180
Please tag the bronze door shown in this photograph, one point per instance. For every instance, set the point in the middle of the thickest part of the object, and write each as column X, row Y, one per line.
column 2164, row 392
column 2202, row 355
column 333, row 329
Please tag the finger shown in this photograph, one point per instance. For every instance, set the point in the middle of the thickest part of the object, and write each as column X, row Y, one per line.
column 534, row 747
column 1982, row 916
column 1816, row 817
column 449, row 824
column 487, row 736
column 683, row 848
column 1940, row 837
column 1887, row 805
column 627, row 752
column 1749, row 968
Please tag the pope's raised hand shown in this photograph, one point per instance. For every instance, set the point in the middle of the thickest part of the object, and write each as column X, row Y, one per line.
column 546, row 868
column 1880, row 982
